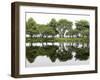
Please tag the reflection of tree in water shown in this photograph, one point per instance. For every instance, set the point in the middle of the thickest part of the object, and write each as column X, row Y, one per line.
column 82, row 53
column 49, row 51
column 31, row 54
column 54, row 52
column 64, row 56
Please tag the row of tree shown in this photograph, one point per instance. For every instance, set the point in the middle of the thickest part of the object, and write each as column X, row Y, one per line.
column 61, row 28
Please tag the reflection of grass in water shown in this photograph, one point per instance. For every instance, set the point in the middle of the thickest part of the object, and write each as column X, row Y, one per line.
column 57, row 40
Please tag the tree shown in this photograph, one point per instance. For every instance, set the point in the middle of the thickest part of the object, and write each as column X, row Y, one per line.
column 31, row 27
column 42, row 29
column 63, row 25
column 85, row 33
column 83, row 27
column 45, row 31
column 70, row 33
column 53, row 25
column 82, row 53
column 73, row 32
column 50, row 31
column 82, row 24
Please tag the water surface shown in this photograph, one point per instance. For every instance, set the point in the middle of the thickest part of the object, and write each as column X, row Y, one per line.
column 57, row 54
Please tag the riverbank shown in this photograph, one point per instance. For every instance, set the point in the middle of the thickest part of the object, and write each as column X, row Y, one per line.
column 82, row 40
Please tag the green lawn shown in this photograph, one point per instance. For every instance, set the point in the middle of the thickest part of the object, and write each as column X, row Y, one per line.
column 57, row 40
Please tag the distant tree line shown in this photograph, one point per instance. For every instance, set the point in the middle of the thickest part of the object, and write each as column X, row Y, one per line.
column 63, row 28
column 53, row 28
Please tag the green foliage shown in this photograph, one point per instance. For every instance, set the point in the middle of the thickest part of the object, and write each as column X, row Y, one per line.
column 83, row 27
column 82, row 24
column 30, row 51
column 44, row 30
column 49, row 51
column 52, row 29
column 82, row 53
column 53, row 53
column 60, row 27
column 52, row 23
column 65, row 24
column 31, row 27
column 28, row 40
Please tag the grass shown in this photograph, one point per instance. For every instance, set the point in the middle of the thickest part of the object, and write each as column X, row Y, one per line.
column 57, row 40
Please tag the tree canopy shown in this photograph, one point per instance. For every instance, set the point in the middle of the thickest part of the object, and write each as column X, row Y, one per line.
column 53, row 28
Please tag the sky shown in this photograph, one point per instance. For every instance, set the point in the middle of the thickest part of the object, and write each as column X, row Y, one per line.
column 42, row 18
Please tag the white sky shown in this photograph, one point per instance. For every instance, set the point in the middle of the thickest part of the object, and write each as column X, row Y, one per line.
column 42, row 18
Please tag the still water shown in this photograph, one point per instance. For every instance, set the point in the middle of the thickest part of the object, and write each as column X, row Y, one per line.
column 57, row 54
